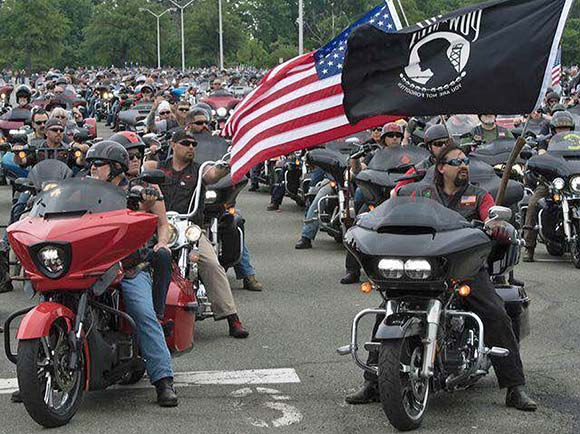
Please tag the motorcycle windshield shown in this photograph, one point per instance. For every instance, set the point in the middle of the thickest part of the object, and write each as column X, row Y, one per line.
column 402, row 158
column 412, row 212
column 565, row 142
column 75, row 197
column 209, row 148
column 459, row 125
column 47, row 171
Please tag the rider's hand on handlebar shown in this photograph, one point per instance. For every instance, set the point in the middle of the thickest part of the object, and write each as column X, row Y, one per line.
column 500, row 231
column 151, row 194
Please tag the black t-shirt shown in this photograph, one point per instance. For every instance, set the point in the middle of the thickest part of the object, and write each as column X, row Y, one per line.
column 178, row 188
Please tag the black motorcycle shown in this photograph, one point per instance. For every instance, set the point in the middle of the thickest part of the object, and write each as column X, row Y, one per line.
column 420, row 257
column 559, row 213
column 383, row 171
column 335, row 210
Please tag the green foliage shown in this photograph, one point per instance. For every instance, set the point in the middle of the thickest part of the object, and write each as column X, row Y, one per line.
column 38, row 34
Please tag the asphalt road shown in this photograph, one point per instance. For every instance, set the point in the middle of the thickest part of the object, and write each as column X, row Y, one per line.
column 296, row 324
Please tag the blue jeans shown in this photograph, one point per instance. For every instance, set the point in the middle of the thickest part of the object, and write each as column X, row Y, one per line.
column 244, row 268
column 312, row 224
column 138, row 297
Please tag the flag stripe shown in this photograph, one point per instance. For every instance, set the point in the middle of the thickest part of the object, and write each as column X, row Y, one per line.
column 301, row 96
column 288, row 120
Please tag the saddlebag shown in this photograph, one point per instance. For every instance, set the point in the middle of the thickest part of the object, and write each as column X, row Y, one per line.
column 516, row 303
column 180, row 308
column 230, row 239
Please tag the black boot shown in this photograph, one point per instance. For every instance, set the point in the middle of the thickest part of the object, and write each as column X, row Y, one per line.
column 368, row 393
column 350, row 277
column 166, row 396
column 304, row 243
column 517, row 397
column 529, row 254
column 237, row 330
column 253, row 188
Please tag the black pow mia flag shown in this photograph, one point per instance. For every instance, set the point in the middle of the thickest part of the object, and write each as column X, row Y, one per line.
column 495, row 57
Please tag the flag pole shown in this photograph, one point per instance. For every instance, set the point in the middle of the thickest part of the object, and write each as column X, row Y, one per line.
column 403, row 12
column 519, row 145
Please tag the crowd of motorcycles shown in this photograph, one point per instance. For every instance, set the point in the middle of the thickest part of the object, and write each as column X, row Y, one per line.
column 416, row 254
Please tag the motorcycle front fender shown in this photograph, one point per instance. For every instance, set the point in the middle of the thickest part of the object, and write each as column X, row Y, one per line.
column 37, row 322
column 389, row 331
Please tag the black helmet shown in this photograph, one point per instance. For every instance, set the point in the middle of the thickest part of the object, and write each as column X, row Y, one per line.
column 129, row 140
column 110, row 151
column 23, row 91
column 562, row 120
column 436, row 132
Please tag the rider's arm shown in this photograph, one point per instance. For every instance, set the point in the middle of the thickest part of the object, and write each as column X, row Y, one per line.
column 163, row 231
column 213, row 174
column 486, row 203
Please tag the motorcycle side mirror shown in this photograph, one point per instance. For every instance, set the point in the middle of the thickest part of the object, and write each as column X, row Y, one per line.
column 526, row 153
column 499, row 213
column 23, row 184
column 154, row 176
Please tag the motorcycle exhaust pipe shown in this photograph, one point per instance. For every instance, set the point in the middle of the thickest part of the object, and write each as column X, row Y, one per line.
column 433, row 316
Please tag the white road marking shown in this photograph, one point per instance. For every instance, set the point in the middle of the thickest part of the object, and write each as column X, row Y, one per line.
column 193, row 378
column 290, row 414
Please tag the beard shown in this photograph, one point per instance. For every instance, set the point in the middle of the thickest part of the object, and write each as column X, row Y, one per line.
column 460, row 181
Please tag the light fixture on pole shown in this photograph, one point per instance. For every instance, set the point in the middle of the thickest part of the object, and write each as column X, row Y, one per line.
column 221, row 27
column 158, row 16
column 182, row 32
column 300, row 22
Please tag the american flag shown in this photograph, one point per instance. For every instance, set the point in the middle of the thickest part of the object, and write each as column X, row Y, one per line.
column 298, row 104
column 557, row 69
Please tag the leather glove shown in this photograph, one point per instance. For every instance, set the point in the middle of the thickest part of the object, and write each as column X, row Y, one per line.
column 501, row 232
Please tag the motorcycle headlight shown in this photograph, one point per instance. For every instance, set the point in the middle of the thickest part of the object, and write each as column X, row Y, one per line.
column 210, row 196
column 575, row 183
column 222, row 112
column 559, row 184
column 173, row 235
column 52, row 260
column 418, row 269
column 391, row 268
column 193, row 233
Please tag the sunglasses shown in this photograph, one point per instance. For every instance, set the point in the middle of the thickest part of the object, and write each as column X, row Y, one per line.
column 440, row 143
column 456, row 162
column 163, row 113
column 40, row 122
column 183, row 109
column 393, row 135
column 200, row 123
column 189, row 143
column 99, row 163
column 377, row 129
column 135, row 156
column 56, row 130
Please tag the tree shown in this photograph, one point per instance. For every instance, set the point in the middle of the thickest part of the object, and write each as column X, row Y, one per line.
column 33, row 33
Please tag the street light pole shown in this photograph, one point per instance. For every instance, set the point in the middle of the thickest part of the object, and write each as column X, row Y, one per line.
column 221, row 36
column 182, row 32
column 300, row 27
column 158, row 16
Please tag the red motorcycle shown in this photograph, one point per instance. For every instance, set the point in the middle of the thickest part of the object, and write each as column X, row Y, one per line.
column 79, row 338
column 222, row 104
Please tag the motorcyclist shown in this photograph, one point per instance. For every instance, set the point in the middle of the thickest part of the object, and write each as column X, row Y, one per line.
column 109, row 161
column 561, row 122
column 39, row 120
column 489, row 131
column 160, row 118
column 437, row 138
column 161, row 259
column 181, row 175
column 452, row 189
column 23, row 97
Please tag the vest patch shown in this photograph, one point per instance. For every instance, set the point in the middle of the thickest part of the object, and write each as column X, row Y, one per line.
column 468, row 201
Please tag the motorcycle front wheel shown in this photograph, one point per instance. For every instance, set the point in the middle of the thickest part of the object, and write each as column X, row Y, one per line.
column 404, row 394
column 50, row 391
